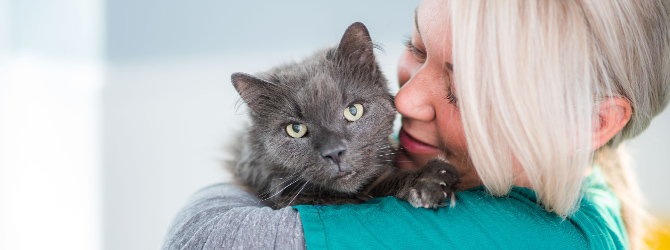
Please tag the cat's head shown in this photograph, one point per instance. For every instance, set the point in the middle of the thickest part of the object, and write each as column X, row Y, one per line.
column 326, row 118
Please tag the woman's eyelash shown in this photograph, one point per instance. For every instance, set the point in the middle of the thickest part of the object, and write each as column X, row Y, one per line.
column 412, row 48
column 451, row 97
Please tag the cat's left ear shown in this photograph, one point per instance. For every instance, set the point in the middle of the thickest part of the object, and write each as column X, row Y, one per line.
column 253, row 90
column 356, row 48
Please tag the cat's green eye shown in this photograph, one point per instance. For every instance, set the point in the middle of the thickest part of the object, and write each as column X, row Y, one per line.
column 353, row 112
column 296, row 130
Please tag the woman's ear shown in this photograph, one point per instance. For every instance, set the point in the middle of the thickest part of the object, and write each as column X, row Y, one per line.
column 609, row 118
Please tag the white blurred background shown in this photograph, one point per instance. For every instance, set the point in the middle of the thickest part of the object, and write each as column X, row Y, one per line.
column 113, row 112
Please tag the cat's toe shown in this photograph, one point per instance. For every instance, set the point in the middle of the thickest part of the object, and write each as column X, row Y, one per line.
column 423, row 199
column 414, row 198
column 435, row 184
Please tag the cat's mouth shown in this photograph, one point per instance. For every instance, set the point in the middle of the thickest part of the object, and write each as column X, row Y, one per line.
column 344, row 175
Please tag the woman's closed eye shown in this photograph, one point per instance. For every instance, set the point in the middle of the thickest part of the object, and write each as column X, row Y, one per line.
column 419, row 55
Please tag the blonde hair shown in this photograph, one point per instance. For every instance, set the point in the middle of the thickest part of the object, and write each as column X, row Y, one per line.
column 530, row 73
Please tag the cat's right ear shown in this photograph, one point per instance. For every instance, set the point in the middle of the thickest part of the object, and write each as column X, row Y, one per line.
column 356, row 48
column 253, row 90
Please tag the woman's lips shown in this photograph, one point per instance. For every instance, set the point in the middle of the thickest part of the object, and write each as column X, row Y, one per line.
column 414, row 146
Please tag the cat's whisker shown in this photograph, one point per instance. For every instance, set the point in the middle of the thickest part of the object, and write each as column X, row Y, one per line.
column 288, row 194
column 287, row 179
column 299, row 191
column 387, row 154
column 282, row 190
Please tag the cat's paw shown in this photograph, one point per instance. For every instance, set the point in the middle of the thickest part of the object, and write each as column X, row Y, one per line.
column 433, row 185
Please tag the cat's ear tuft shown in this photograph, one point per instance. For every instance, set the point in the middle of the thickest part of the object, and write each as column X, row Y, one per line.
column 252, row 89
column 356, row 47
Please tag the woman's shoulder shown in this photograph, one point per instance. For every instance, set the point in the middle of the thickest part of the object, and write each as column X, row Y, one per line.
column 599, row 214
column 223, row 216
column 478, row 220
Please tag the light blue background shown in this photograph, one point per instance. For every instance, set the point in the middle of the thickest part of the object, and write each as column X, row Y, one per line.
column 151, row 29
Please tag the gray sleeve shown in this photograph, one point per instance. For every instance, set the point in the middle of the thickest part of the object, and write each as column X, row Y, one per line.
column 225, row 217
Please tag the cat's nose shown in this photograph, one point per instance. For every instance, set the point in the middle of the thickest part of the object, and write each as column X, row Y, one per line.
column 334, row 154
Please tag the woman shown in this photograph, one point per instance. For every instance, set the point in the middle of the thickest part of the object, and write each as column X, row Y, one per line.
column 529, row 100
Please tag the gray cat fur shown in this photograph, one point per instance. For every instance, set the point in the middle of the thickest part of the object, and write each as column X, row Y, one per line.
column 287, row 171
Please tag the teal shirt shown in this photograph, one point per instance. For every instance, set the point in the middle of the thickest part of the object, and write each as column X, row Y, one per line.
column 478, row 221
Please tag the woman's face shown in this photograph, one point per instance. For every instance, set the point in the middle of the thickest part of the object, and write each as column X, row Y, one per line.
column 431, row 121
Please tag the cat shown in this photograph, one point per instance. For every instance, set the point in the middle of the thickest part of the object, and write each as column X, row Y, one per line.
column 320, row 133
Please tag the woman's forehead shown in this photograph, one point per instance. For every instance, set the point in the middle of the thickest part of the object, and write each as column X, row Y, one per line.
column 432, row 23
column 432, row 15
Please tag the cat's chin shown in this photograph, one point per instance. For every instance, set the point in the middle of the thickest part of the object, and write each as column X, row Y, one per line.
column 347, row 182
column 345, row 175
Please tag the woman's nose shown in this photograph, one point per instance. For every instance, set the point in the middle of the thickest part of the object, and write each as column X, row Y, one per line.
column 414, row 97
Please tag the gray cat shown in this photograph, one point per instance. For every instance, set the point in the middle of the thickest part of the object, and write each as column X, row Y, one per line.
column 320, row 133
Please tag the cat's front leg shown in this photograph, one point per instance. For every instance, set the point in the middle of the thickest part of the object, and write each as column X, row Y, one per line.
column 430, row 186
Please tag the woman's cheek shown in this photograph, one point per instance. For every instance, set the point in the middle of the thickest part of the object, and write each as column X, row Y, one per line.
column 452, row 132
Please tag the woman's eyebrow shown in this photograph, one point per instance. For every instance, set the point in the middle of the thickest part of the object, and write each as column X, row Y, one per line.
column 416, row 20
